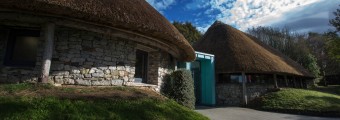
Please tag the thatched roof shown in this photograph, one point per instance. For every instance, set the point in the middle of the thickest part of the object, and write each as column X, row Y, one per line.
column 236, row 52
column 133, row 15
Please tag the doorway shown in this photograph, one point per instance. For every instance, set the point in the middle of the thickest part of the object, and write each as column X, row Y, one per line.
column 141, row 66
column 196, row 74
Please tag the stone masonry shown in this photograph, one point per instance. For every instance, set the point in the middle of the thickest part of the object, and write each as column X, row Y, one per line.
column 87, row 58
column 231, row 94
column 90, row 59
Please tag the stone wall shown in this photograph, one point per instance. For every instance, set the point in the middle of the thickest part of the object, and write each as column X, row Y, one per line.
column 228, row 94
column 87, row 58
column 160, row 64
column 167, row 65
column 232, row 95
column 154, row 63
column 90, row 59
column 255, row 90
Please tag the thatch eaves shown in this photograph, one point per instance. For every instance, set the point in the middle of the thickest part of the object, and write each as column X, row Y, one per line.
column 132, row 15
column 236, row 52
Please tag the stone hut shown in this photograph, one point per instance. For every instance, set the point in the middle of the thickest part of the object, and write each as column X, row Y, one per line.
column 245, row 67
column 88, row 42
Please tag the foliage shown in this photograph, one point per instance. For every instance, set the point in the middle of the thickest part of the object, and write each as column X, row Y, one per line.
column 180, row 87
column 70, row 106
column 299, row 101
column 310, row 63
column 188, row 30
column 333, row 43
column 336, row 21
column 333, row 48
column 283, row 40
column 319, row 45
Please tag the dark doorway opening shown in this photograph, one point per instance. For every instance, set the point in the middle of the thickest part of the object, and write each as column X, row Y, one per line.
column 22, row 47
column 141, row 66
column 196, row 74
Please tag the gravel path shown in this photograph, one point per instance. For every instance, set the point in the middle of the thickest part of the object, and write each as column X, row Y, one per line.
column 237, row 113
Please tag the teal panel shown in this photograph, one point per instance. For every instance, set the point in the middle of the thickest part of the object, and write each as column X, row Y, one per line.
column 208, row 82
column 207, row 77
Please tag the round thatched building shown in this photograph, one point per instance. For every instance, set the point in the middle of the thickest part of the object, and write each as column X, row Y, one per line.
column 87, row 42
column 245, row 67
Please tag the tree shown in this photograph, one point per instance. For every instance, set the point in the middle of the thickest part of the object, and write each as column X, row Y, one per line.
column 188, row 30
column 334, row 40
column 311, row 64
column 333, row 45
column 317, row 45
column 293, row 45
column 336, row 21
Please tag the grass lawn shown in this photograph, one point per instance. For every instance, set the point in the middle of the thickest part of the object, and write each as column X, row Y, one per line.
column 299, row 101
column 40, row 102
column 333, row 89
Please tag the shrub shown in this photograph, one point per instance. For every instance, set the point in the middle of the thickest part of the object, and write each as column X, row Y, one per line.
column 180, row 87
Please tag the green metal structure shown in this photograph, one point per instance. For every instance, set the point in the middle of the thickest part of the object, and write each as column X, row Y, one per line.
column 203, row 73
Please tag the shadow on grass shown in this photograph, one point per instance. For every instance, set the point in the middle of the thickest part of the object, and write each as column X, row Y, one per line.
column 332, row 104
column 312, row 105
column 330, row 109
column 332, row 89
column 330, row 100
column 54, row 108
column 12, row 108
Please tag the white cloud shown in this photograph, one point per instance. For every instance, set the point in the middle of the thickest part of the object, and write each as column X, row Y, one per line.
column 242, row 14
column 195, row 4
column 248, row 13
column 314, row 17
column 161, row 4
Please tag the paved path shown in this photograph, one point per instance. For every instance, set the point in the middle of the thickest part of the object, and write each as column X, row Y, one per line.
column 237, row 113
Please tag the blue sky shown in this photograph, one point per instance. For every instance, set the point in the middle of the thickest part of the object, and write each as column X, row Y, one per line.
column 299, row 15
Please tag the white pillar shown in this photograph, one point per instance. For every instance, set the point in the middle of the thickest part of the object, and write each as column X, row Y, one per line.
column 244, row 89
column 275, row 81
column 48, row 50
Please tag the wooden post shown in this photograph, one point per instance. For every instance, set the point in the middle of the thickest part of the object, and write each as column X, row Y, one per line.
column 301, row 84
column 275, row 81
column 244, row 89
column 294, row 79
column 48, row 50
column 287, row 85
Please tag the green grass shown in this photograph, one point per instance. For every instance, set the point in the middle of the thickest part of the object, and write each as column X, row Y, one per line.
column 299, row 101
column 18, row 103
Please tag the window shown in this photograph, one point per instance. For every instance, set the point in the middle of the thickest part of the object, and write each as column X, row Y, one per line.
column 141, row 66
column 230, row 78
column 235, row 78
column 260, row 78
column 22, row 47
column 251, row 78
